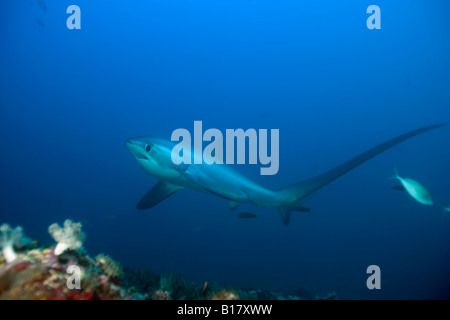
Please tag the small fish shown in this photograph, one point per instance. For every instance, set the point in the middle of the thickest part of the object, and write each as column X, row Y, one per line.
column 262, row 116
column 247, row 215
column 40, row 22
column 415, row 190
column 42, row 5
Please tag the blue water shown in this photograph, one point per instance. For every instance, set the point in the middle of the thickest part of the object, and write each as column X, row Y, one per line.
column 70, row 99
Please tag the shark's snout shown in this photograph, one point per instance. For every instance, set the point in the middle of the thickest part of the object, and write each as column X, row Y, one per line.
column 131, row 142
column 130, row 145
column 135, row 148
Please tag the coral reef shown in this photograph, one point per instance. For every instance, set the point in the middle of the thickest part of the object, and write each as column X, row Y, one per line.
column 109, row 266
column 225, row 295
column 41, row 275
column 59, row 273
column 31, row 273
column 69, row 237
column 174, row 287
column 8, row 239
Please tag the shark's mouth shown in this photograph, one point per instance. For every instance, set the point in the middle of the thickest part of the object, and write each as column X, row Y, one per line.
column 141, row 157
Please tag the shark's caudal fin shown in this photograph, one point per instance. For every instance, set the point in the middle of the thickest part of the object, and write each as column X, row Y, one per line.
column 300, row 192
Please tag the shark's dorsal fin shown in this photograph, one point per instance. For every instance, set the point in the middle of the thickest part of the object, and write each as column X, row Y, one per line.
column 158, row 193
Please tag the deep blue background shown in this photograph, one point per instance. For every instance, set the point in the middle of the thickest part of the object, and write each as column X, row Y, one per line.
column 69, row 99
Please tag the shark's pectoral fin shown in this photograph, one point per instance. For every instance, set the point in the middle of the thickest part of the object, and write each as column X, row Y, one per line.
column 233, row 204
column 158, row 193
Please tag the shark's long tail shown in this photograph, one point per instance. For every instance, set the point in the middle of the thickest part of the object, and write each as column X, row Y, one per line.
column 296, row 194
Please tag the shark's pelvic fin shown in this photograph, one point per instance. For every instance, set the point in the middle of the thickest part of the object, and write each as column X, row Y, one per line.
column 300, row 192
column 233, row 204
column 158, row 193
column 285, row 212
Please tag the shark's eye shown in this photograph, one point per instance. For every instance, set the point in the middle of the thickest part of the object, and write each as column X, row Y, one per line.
column 147, row 148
